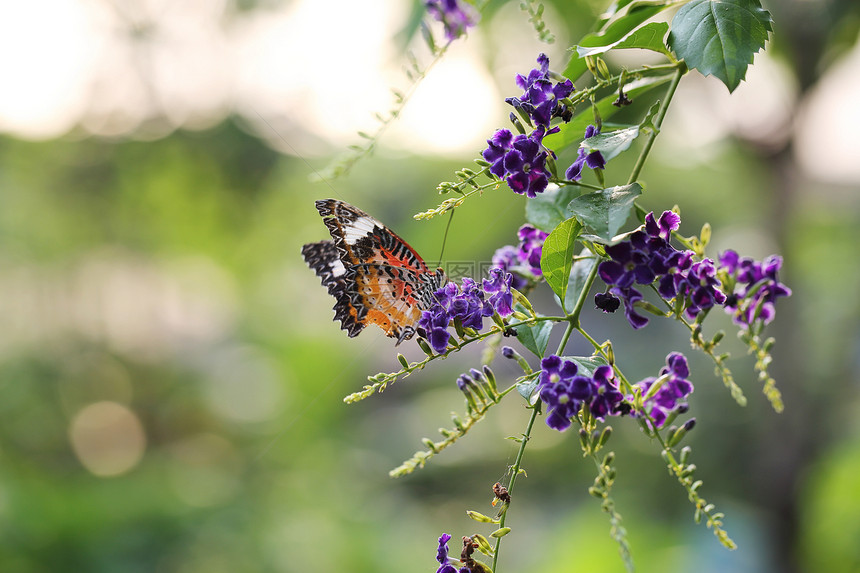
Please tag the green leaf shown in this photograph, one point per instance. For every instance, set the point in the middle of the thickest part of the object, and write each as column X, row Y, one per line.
column 578, row 275
column 595, row 243
column 613, row 9
column 572, row 132
column 611, row 143
column 648, row 37
column 526, row 389
column 720, row 37
column 587, row 364
column 534, row 337
column 604, row 211
column 557, row 258
column 549, row 208
column 615, row 31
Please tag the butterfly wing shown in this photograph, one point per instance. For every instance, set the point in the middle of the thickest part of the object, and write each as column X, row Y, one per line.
column 379, row 280
column 324, row 259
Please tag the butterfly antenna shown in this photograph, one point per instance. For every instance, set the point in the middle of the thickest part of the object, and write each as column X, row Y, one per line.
column 445, row 238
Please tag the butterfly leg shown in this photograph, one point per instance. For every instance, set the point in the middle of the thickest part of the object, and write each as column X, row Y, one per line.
column 408, row 332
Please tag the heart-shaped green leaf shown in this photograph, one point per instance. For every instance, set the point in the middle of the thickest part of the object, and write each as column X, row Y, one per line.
column 648, row 37
column 605, row 211
column 587, row 364
column 720, row 37
column 549, row 208
column 557, row 258
column 534, row 337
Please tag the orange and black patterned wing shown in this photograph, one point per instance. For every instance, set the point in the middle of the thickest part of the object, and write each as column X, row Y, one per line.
column 374, row 275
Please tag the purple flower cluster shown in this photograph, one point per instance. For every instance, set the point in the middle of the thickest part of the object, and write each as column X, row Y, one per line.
column 541, row 97
column 523, row 259
column 593, row 160
column 674, row 388
column 648, row 257
column 445, row 562
column 564, row 392
column 454, row 16
column 753, row 287
column 520, row 160
column 468, row 304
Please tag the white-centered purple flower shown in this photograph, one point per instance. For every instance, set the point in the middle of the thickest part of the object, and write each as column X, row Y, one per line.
column 648, row 257
column 564, row 391
column 520, row 160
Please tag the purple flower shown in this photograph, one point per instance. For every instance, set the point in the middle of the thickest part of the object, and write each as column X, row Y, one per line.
column 648, row 257
column 445, row 562
column 499, row 289
column 520, row 160
column 541, row 97
column 753, row 288
column 455, row 17
column 524, row 259
column 606, row 302
column 630, row 296
column 607, row 397
column 467, row 305
column 593, row 160
column 531, row 247
column 703, row 287
column 673, row 390
column 628, row 265
column 669, row 221
column 507, row 259
column 562, row 391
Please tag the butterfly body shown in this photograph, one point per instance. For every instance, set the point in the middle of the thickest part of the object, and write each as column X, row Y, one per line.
column 373, row 274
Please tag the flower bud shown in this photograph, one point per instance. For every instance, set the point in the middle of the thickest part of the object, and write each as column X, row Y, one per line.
column 705, row 234
column 491, row 377
column 517, row 123
column 480, row 517
column 483, row 544
column 425, row 347
column 603, row 69
column 501, row 532
column 604, row 436
column 403, row 361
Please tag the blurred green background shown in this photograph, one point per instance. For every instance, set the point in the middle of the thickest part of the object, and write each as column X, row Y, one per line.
column 170, row 378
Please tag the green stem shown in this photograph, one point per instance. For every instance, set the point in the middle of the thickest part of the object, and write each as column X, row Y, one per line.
column 515, row 470
column 567, row 332
column 658, row 121
column 583, row 294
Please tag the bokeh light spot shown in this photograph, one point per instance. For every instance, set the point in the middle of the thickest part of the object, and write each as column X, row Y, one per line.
column 107, row 438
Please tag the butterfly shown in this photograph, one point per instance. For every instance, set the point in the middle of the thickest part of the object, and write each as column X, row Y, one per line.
column 373, row 274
